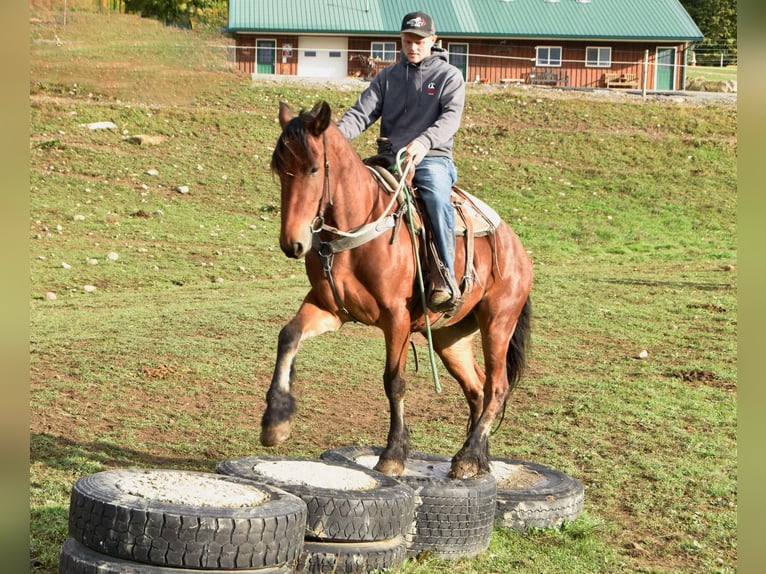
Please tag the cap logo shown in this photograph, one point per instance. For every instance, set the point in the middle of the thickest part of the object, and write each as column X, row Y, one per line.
column 417, row 22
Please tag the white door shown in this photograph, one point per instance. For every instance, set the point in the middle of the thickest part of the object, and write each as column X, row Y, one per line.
column 322, row 57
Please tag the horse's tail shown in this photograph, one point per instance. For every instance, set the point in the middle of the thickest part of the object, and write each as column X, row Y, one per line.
column 516, row 357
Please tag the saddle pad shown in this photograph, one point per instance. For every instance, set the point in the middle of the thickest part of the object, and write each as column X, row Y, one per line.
column 484, row 219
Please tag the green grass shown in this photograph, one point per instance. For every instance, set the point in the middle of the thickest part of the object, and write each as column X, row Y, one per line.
column 626, row 205
column 712, row 73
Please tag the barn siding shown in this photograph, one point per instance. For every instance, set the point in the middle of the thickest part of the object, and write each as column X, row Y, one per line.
column 491, row 61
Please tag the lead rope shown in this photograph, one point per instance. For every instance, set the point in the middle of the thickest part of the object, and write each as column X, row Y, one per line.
column 408, row 199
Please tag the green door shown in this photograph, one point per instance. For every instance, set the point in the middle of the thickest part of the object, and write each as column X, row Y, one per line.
column 666, row 69
column 458, row 57
column 265, row 56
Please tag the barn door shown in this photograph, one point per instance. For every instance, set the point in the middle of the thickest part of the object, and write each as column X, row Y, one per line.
column 458, row 57
column 265, row 56
column 666, row 69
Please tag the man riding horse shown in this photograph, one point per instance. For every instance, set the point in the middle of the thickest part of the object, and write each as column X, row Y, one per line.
column 419, row 101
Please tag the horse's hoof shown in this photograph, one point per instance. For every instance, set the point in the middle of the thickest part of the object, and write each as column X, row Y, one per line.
column 276, row 434
column 464, row 469
column 390, row 467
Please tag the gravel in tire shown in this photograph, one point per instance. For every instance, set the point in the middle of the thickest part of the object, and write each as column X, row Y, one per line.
column 78, row 559
column 351, row 557
column 453, row 518
column 346, row 502
column 533, row 495
column 185, row 519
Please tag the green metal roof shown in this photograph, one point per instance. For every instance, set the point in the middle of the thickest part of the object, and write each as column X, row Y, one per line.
column 571, row 19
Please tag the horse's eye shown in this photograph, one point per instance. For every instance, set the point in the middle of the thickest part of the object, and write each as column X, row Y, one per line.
column 314, row 170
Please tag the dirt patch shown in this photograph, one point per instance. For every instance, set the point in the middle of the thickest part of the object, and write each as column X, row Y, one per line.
column 698, row 377
column 514, row 476
column 316, row 474
column 190, row 489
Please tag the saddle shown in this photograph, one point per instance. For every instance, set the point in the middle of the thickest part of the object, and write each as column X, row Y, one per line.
column 473, row 218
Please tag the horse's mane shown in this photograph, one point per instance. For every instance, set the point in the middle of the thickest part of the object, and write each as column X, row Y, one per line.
column 286, row 160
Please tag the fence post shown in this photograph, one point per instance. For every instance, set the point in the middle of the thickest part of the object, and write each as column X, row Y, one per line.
column 645, row 74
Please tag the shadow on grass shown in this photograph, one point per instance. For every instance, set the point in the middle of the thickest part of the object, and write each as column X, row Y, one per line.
column 679, row 284
column 78, row 456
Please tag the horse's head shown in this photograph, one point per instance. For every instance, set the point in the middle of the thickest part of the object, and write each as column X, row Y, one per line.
column 299, row 160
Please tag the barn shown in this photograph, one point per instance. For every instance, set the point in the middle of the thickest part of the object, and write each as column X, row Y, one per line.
column 628, row 44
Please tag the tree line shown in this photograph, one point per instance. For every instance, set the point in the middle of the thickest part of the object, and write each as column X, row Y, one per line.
column 188, row 13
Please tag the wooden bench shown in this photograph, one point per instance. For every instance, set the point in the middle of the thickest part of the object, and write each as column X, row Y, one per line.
column 552, row 76
column 613, row 80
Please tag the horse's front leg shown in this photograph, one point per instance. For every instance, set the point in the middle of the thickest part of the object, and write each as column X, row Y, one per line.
column 397, row 449
column 309, row 321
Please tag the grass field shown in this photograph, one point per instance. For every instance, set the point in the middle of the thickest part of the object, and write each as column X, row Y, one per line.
column 627, row 206
column 712, row 73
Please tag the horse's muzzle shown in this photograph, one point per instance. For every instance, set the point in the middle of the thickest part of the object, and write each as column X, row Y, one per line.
column 295, row 241
column 295, row 250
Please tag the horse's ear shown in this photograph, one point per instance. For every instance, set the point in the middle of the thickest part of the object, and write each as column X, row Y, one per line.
column 322, row 116
column 285, row 114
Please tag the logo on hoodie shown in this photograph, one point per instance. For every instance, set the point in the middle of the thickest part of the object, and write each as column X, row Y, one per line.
column 431, row 89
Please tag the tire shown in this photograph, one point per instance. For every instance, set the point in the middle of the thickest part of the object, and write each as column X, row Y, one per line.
column 453, row 518
column 546, row 497
column 351, row 557
column 179, row 519
column 78, row 559
column 371, row 508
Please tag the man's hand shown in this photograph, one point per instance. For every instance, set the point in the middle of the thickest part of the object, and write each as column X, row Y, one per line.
column 417, row 151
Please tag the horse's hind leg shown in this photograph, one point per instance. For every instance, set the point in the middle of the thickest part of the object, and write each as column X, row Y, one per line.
column 310, row 321
column 454, row 346
column 473, row 458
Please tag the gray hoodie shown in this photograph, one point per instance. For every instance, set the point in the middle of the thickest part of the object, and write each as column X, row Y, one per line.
column 415, row 101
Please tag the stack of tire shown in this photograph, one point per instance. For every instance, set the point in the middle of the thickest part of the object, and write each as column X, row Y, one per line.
column 357, row 518
column 453, row 518
column 277, row 515
column 172, row 522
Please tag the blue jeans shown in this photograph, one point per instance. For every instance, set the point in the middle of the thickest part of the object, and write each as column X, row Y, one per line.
column 434, row 178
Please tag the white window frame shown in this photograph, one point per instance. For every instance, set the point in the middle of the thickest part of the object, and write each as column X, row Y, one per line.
column 388, row 50
column 548, row 62
column 599, row 62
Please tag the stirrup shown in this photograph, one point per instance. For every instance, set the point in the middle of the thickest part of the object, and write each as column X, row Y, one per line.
column 444, row 297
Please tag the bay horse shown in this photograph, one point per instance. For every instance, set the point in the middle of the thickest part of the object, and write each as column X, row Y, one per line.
column 328, row 192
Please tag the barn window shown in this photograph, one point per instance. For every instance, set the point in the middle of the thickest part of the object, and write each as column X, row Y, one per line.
column 310, row 53
column 334, row 54
column 385, row 51
column 548, row 56
column 598, row 57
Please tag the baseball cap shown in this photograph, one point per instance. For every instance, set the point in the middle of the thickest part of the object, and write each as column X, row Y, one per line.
column 419, row 23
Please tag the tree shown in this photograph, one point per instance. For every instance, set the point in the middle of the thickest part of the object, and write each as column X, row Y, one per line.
column 181, row 12
column 716, row 19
